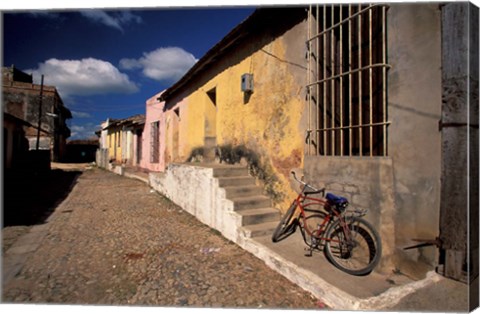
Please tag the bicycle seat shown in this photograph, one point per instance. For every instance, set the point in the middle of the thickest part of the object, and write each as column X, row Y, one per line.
column 336, row 200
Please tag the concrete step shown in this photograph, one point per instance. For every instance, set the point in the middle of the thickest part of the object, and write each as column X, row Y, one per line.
column 236, row 181
column 259, row 215
column 230, row 172
column 259, row 230
column 251, row 202
column 243, row 191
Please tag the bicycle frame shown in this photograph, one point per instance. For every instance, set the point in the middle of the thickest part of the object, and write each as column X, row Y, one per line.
column 303, row 201
column 348, row 241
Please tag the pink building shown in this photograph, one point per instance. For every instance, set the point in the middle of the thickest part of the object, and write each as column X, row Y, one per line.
column 160, row 138
column 153, row 145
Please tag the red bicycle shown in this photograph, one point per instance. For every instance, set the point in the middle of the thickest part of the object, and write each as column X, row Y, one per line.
column 349, row 242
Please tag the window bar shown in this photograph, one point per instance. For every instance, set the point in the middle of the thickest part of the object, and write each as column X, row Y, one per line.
column 326, row 30
column 376, row 65
column 332, row 96
column 324, row 83
column 360, row 121
column 370, row 78
column 341, row 85
column 309, row 126
column 317, row 74
column 384, row 79
column 358, row 126
column 350, row 81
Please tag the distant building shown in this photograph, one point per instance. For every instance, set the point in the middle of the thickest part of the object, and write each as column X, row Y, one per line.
column 15, row 143
column 46, row 115
column 81, row 151
column 120, row 140
column 102, row 156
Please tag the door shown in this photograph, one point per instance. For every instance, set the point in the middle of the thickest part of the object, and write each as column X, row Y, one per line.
column 139, row 146
column 210, row 125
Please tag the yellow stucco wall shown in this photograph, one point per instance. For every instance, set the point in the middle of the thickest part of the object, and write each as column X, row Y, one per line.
column 114, row 149
column 191, row 126
column 268, row 122
column 118, row 156
column 110, row 140
column 172, row 136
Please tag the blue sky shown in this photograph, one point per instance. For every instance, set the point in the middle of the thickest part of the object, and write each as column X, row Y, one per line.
column 107, row 63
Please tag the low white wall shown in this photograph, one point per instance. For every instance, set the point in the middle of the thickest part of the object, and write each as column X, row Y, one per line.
column 101, row 158
column 196, row 190
column 118, row 169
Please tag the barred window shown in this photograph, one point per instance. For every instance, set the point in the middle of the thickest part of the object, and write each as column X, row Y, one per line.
column 347, row 80
column 154, row 142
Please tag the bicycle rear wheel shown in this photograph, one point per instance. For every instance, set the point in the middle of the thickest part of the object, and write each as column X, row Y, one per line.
column 357, row 256
column 286, row 226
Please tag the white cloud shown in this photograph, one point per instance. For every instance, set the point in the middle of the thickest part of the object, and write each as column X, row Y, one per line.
column 79, row 114
column 77, row 128
column 130, row 64
column 162, row 64
column 84, row 131
column 84, row 77
column 115, row 19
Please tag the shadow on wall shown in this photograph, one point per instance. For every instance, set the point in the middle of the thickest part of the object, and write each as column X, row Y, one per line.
column 30, row 198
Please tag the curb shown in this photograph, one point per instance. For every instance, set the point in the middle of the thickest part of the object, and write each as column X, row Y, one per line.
column 136, row 177
column 394, row 295
column 329, row 294
column 307, row 280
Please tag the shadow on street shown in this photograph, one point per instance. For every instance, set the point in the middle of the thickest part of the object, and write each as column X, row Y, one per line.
column 30, row 198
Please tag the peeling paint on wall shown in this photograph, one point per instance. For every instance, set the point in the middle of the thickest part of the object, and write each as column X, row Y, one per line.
column 267, row 123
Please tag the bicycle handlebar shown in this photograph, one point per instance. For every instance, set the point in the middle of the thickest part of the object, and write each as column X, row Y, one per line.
column 306, row 185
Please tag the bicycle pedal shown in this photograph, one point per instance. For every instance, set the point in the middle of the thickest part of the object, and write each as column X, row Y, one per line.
column 309, row 252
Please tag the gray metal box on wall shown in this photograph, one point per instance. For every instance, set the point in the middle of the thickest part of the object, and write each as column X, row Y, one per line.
column 247, row 83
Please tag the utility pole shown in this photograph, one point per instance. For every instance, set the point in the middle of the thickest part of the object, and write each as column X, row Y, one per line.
column 40, row 113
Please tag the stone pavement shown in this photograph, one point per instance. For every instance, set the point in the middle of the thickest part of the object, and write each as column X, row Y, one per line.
column 115, row 241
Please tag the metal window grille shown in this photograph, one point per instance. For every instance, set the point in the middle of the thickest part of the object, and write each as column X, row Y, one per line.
column 347, row 80
column 154, row 142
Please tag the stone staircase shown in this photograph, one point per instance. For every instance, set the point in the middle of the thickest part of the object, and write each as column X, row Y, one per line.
column 258, row 217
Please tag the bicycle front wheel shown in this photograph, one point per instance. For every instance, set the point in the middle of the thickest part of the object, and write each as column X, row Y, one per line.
column 355, row 248
column 286, row 226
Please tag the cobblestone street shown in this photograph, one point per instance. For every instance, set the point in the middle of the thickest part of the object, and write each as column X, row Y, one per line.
column 115, row 241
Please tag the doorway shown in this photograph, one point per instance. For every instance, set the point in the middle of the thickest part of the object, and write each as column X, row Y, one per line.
column 210, row 125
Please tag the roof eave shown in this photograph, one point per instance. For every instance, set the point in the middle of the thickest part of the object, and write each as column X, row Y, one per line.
column 226, row 42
